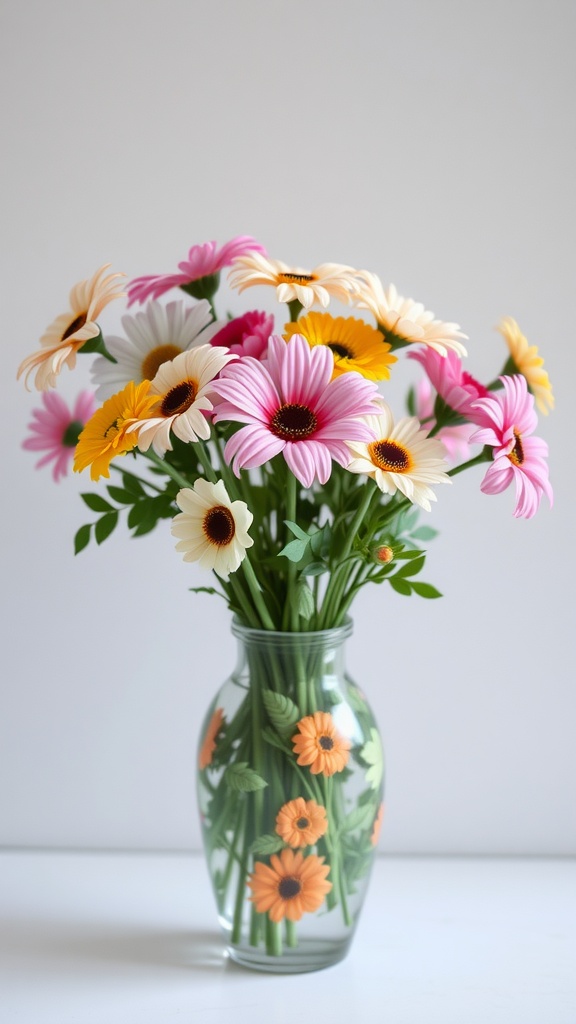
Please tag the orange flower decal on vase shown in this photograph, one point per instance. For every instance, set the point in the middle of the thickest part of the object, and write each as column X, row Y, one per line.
column 301, row 822
column 292, row 885
column 319, row 745
column 376, row 828
column 209, row 742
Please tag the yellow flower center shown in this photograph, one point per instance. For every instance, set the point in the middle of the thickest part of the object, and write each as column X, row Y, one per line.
column 516, row 456
column 302, row 823
column 288, row 888
column 326, row 742
column 154, row 359
column 296, row 278
column 113, row 429
column 76, row 324
column 293, row 422
column 219, row 526
column 390, row 456
column 178, row 399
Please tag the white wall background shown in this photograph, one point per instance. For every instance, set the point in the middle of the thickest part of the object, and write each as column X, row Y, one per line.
column 432, row 142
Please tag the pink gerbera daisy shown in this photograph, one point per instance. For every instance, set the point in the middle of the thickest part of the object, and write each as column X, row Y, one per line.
column 290, row 404
column 246, row 335
column 55, row 429
column 507, row 419
column 458, row 388
column 204, row 261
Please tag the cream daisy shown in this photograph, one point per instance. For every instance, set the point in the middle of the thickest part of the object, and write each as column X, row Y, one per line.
column 153, row 337
column 354, row 344
column 403, row 321
column 307, row 286
column 182, row 387
column 213, row 530
column 525, row 360
column 70, row 331
column 401, row 457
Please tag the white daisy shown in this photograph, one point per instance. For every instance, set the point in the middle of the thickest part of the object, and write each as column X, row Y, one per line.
column 402, row 320
column 307, row 286
column 213, row 529
column 153, row 336
column 400, row 457
column 182, row 387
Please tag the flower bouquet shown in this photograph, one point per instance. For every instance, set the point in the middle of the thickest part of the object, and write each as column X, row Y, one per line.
column 269, row 443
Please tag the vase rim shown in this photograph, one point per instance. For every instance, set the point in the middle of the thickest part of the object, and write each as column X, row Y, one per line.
column 334, row 634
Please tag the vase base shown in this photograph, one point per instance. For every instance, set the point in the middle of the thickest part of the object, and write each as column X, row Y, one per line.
column 307, row 956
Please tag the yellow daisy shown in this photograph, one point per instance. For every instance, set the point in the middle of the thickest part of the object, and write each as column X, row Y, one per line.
column 70, row 331
column 354, row 344
column 527, row 362
column 106, row 434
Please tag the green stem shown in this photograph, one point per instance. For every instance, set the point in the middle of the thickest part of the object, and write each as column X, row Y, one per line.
column 166, row 468
column 294, row 308
column 256, row 593
column 134, row 476
column 484, row 456
column 290, row 617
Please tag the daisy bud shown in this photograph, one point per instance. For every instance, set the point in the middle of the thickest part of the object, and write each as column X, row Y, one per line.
column 383, row 554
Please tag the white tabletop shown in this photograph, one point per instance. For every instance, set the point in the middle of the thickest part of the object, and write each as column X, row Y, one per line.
column 92, row 938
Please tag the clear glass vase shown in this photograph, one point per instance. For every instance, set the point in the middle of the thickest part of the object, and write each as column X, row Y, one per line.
column 290, row 784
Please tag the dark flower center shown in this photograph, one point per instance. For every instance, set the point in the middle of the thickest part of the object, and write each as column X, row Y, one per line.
column 219, row 525
column 154, row 359
column 76, row 324
column 288, row 888
column 293, row 422
column 326, row 742
column 113, row 429
column 72, row 433
column 296, row 278
column 390, row 456
column 302, row 823
column 340, row 350
column 516, row 456
column 178, row 399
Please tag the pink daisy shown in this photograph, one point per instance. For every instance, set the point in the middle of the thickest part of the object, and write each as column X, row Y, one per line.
column 203, row 261
column 290, row 404
column 246, row 335
column 507, row 419
column 459, row 389
column 55, row 429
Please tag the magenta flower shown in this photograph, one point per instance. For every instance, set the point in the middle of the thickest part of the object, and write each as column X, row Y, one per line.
column 55, row 429
column 507, row 419
column 290, row 404
column 458, row 388
column 203, row 261
column 246, row 335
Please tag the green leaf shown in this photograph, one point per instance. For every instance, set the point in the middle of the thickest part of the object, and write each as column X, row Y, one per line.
column 412, row 568
column 424, row 533
column 132, row 485
column 243, row 779
column 295, row 550
column 121, row 496
column 304, row 599
column 265, row 845
column 314, row 569
column 281, row 710
column 411, row 402
column 361, row 817
column 97, row 503
column 297, row 531
column 400, row 586
column 105, row 526
column 425, row 590
column 82, row 538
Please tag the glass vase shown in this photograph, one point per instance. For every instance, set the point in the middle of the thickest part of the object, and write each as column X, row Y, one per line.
column 290, row 783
